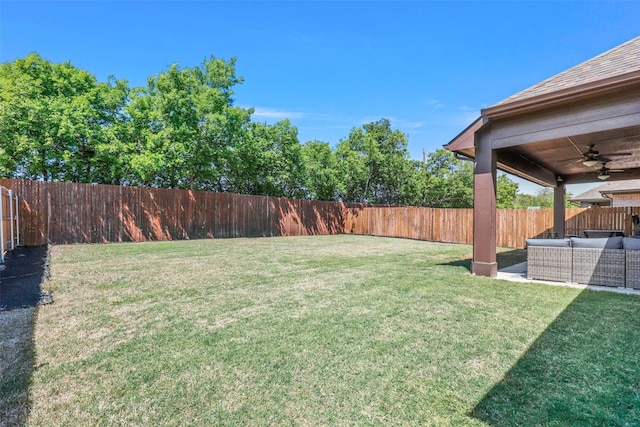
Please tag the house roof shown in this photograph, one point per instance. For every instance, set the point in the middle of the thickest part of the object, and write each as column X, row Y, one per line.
column 465, row 139
column 596, row 195
column 592, row 196
column 542, row 132
column 619, row 61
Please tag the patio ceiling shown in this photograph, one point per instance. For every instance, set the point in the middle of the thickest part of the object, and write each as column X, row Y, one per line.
column 543, row 161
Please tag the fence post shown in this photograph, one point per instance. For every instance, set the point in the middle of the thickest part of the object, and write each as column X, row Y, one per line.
column 17, row 223
column 13, row 241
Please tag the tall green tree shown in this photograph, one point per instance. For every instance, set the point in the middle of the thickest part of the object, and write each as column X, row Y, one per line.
column 542, row 199
column 321, row 164
column 268, row 161
column 373, row 164
column 415, row 190
column 450, row 181
column 506, row 192
column 54, row 120
column 184, row 126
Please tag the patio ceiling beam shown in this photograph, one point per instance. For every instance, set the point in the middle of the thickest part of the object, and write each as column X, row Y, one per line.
column 527, row 169
column 613, row 112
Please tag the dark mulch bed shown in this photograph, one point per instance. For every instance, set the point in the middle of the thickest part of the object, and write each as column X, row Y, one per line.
column 21, row 277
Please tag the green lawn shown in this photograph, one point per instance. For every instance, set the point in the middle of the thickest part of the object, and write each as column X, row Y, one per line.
column 333, row 330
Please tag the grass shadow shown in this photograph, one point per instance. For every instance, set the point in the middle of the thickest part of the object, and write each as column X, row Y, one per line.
column 510, row 257
column 504, row 258
column 583, row 370
column 464, row 263
column 20, row 293
column 17, row 364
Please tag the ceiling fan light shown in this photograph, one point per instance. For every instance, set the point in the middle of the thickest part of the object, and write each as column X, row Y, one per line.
column 603, row 176
column 590, row 162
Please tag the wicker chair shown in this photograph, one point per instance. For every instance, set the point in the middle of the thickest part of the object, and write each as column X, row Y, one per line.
column 549, row 259
column 633, row 269
column 632, row 252
column 604, row 267
column 598, row 261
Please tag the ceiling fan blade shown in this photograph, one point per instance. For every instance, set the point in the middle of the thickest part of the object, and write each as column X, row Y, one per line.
column 627, row 153
column 602, row 159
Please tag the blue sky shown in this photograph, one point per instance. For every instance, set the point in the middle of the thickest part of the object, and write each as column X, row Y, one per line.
column 330, row 66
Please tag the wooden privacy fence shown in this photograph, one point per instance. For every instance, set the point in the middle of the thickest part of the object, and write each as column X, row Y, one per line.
column 513, row 226
column 9, row 225
column 435, row 224
column 55, row 212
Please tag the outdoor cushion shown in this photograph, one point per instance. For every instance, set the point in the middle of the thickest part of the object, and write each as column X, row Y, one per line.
column 598, row 243
column 630, row 243
column 555, row 243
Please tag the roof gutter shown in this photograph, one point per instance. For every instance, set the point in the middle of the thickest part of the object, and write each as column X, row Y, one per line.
column 606, row 196
column 463, row 157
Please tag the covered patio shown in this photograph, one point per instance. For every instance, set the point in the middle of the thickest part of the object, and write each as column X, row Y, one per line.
column 582, row 125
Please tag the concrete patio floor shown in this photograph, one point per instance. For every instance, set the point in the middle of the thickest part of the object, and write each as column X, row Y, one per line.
column 518, row 273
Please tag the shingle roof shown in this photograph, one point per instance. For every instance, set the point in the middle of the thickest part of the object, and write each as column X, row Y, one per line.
column 631, row 185
column 590, row 196
column 615, row 62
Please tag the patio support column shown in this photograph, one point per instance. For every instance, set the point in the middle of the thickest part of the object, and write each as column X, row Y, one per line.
column 558, row 211
column 484, row 208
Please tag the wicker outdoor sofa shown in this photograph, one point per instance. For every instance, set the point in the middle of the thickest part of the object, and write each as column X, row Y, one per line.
column 613, row 261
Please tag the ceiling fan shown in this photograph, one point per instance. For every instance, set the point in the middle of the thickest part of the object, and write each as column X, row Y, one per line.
column 591, row 157
column 604, row 172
